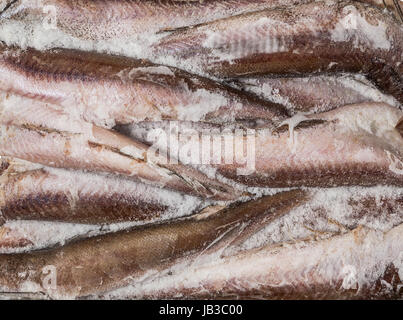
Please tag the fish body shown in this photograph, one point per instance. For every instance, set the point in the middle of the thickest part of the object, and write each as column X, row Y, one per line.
column 75, row 144
column 354, row 146
column 101, row 20
column 100, row 263
column 318, row 37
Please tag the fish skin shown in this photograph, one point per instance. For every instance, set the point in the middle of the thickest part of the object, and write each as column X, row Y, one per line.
column 315, row 94
column 362, row 264
column 346, row 149
column 351, row 145
column 10, row 239
column 318, row 37
column 108, row 90
column 48, row 194
column 370, row 205
column 101, row 20
column 137, row 250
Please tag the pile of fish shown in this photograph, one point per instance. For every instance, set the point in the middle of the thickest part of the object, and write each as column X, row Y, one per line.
column 201, row 149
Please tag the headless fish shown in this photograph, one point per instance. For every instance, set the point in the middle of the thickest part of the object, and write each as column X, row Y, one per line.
column 352, row 145
column 318, row 37
column 108, row 90
column 361, row 264
column 393, row 6
column 49, row 194
column 102, row 20
column 331, row 211
column 104, row 262
column 315, row 94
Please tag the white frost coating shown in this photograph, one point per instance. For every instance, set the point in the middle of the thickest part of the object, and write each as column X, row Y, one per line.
column 355, row 27
column 365, row 251
column 266, row 90
column 135, row 73
column 35, row 35
column 203, row 102
column 46, row 234
column 396, row 165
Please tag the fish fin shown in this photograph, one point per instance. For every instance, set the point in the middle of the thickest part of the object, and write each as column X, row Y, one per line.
column 399, row 126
